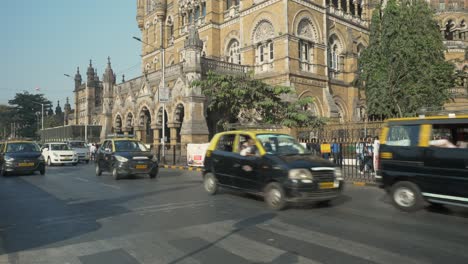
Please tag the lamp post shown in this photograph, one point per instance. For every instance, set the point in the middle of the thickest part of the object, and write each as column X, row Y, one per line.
column 162, row 86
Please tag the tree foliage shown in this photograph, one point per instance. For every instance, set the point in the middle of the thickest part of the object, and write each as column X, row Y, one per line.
column 26, row 108
column 6, row 117
column 404, row 68
column 243, row 99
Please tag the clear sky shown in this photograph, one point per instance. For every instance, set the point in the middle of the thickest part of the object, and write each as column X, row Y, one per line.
column 41, row 40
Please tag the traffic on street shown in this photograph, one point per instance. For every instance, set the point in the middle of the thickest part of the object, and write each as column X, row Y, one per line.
column 70, row 215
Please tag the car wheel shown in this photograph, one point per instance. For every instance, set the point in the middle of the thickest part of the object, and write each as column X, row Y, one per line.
column 275, row 196
column 49, row 161
column 115, row 174
column 42, row 170
column 3, row 171
column 325, row 203
column 406, row 196
column 98, row 169
column 210, row 183
column 76, row 163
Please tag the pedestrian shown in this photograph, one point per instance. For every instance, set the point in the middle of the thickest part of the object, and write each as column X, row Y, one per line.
column 315, row 147
column 360, row 152
column 368, row 156
column 375, row 148
column 336, row 152
column 92, row 151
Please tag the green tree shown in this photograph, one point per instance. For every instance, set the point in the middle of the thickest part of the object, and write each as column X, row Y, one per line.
column 25, row 107
column 6, row 117
column 243, row 99
column 404, row 68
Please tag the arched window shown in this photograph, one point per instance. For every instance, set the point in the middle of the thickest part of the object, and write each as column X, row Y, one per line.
column 203, row 9
column 170, row 29
column 334, row 54
column 233, row 53
column 262, row 38
column 231, row 3
column 306, row 45
column 197, row 12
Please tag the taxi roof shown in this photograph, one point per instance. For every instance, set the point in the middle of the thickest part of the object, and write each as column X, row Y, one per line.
column 433, row 119
column 251, row 132
column 123, row 139
column 19, row 141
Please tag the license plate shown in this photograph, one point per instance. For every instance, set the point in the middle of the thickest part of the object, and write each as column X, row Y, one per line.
column 141, row 166
column 327, row 185
column 26, row 164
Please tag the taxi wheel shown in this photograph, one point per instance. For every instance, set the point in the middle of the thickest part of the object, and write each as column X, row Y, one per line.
column 98, row 169
column 115, row 174
column 210, row 183
column 275, row 196
column 42, row 170
column 406, row 196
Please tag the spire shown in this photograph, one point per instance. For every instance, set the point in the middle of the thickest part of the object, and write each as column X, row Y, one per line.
column 58, row 109
column 123, row 78
column 90, row 73
column 96, row 76
column 78, row 75
column 67, row 107
column 193, row 39
column 109, row 76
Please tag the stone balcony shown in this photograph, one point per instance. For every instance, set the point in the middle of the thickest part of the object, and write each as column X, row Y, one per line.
column 354, row 18
column 222, row 67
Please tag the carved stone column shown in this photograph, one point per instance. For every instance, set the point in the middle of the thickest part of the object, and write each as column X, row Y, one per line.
column 125, row 130
column 339, row 5
column 356, row 8
column 156, row 136
column 348, row 6
column 173, row 132
column 139, row 132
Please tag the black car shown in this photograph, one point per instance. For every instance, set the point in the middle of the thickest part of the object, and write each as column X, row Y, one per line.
column 271, row 165
column 20, row 157
column 125, row 156
column 424, row 161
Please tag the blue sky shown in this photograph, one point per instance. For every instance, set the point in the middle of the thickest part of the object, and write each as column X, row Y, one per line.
column 44, row 39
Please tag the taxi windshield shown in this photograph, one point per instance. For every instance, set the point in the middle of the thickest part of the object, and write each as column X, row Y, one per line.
column 59, row 147
column 280, row 144
column 22, row 147
column 128, row 145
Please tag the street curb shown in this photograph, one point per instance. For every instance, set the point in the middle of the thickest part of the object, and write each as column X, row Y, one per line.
column 187, row 168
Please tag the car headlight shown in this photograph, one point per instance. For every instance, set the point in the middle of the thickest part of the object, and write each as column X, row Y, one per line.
column 9, row 159
column 300, row 174
column 55, row 154
column 121, row 159
column 338, row 174
column 41, row 158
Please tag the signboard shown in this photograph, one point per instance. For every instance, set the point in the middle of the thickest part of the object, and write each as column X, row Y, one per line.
column 196, row 154
column 164, row 94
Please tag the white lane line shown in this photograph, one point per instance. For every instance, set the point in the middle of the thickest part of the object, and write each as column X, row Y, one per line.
column 223, row 235
column 111, row 186
column 81, row 179
column 349, row 247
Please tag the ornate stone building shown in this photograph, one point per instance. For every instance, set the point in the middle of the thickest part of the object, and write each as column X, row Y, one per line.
column 310, row 45
column 452, row 17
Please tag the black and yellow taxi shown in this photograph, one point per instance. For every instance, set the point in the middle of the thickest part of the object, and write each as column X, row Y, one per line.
column 20, row 156
column 272, row 165
column 125, row 156
column 424, row 160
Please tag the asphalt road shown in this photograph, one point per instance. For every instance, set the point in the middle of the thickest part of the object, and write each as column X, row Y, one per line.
column 71, row 216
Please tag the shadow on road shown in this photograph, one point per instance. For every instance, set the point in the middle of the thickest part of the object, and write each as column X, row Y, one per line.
column 31, row 217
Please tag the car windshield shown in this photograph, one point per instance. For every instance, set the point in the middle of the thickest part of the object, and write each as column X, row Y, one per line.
column 280, row 144
column 22, row 147
column 78, row 144
column 128, row 145
column 59, row 147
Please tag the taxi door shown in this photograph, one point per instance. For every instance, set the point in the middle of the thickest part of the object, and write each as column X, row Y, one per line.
column 447, row 167
column 247, row 168
column 222, row 159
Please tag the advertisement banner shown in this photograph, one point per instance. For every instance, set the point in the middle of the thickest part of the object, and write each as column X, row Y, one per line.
column 196, row 154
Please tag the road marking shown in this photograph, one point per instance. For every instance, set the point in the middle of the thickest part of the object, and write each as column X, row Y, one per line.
column 349, row 247
column 223, row 235
column 111, row 186
column 81, row 179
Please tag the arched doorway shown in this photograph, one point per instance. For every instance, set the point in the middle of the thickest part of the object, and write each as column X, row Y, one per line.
column 179, row 119
column 118, row 125
column 145, row 124
column 166, row 128
column 129, row 124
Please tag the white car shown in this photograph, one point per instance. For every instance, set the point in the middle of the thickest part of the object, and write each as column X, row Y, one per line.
column 81, row 149
column 59, row 153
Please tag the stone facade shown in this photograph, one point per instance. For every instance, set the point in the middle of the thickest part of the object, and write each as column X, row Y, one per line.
column 312, row 46
column 452, row 18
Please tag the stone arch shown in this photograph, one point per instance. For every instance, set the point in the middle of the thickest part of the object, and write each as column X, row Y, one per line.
column 263, row 31
column 316, row 103
column 179, row 114
column 117, row 123
column 233, row 34
column 129, row 119
column 342, row 108
column 306, row 16
column 232, row 51
column 144, row 122
column 178, row 89
column 360, row 47
column 448, row 34
column 340, row 40
column 171, row 60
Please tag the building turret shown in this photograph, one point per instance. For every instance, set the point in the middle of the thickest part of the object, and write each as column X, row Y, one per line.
column 90, row 74
column 108, row 81
column 160, row 8
column 108, row 75
column 140, row 13
column 58, row 109
column 66, row 111
column 78, row 79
